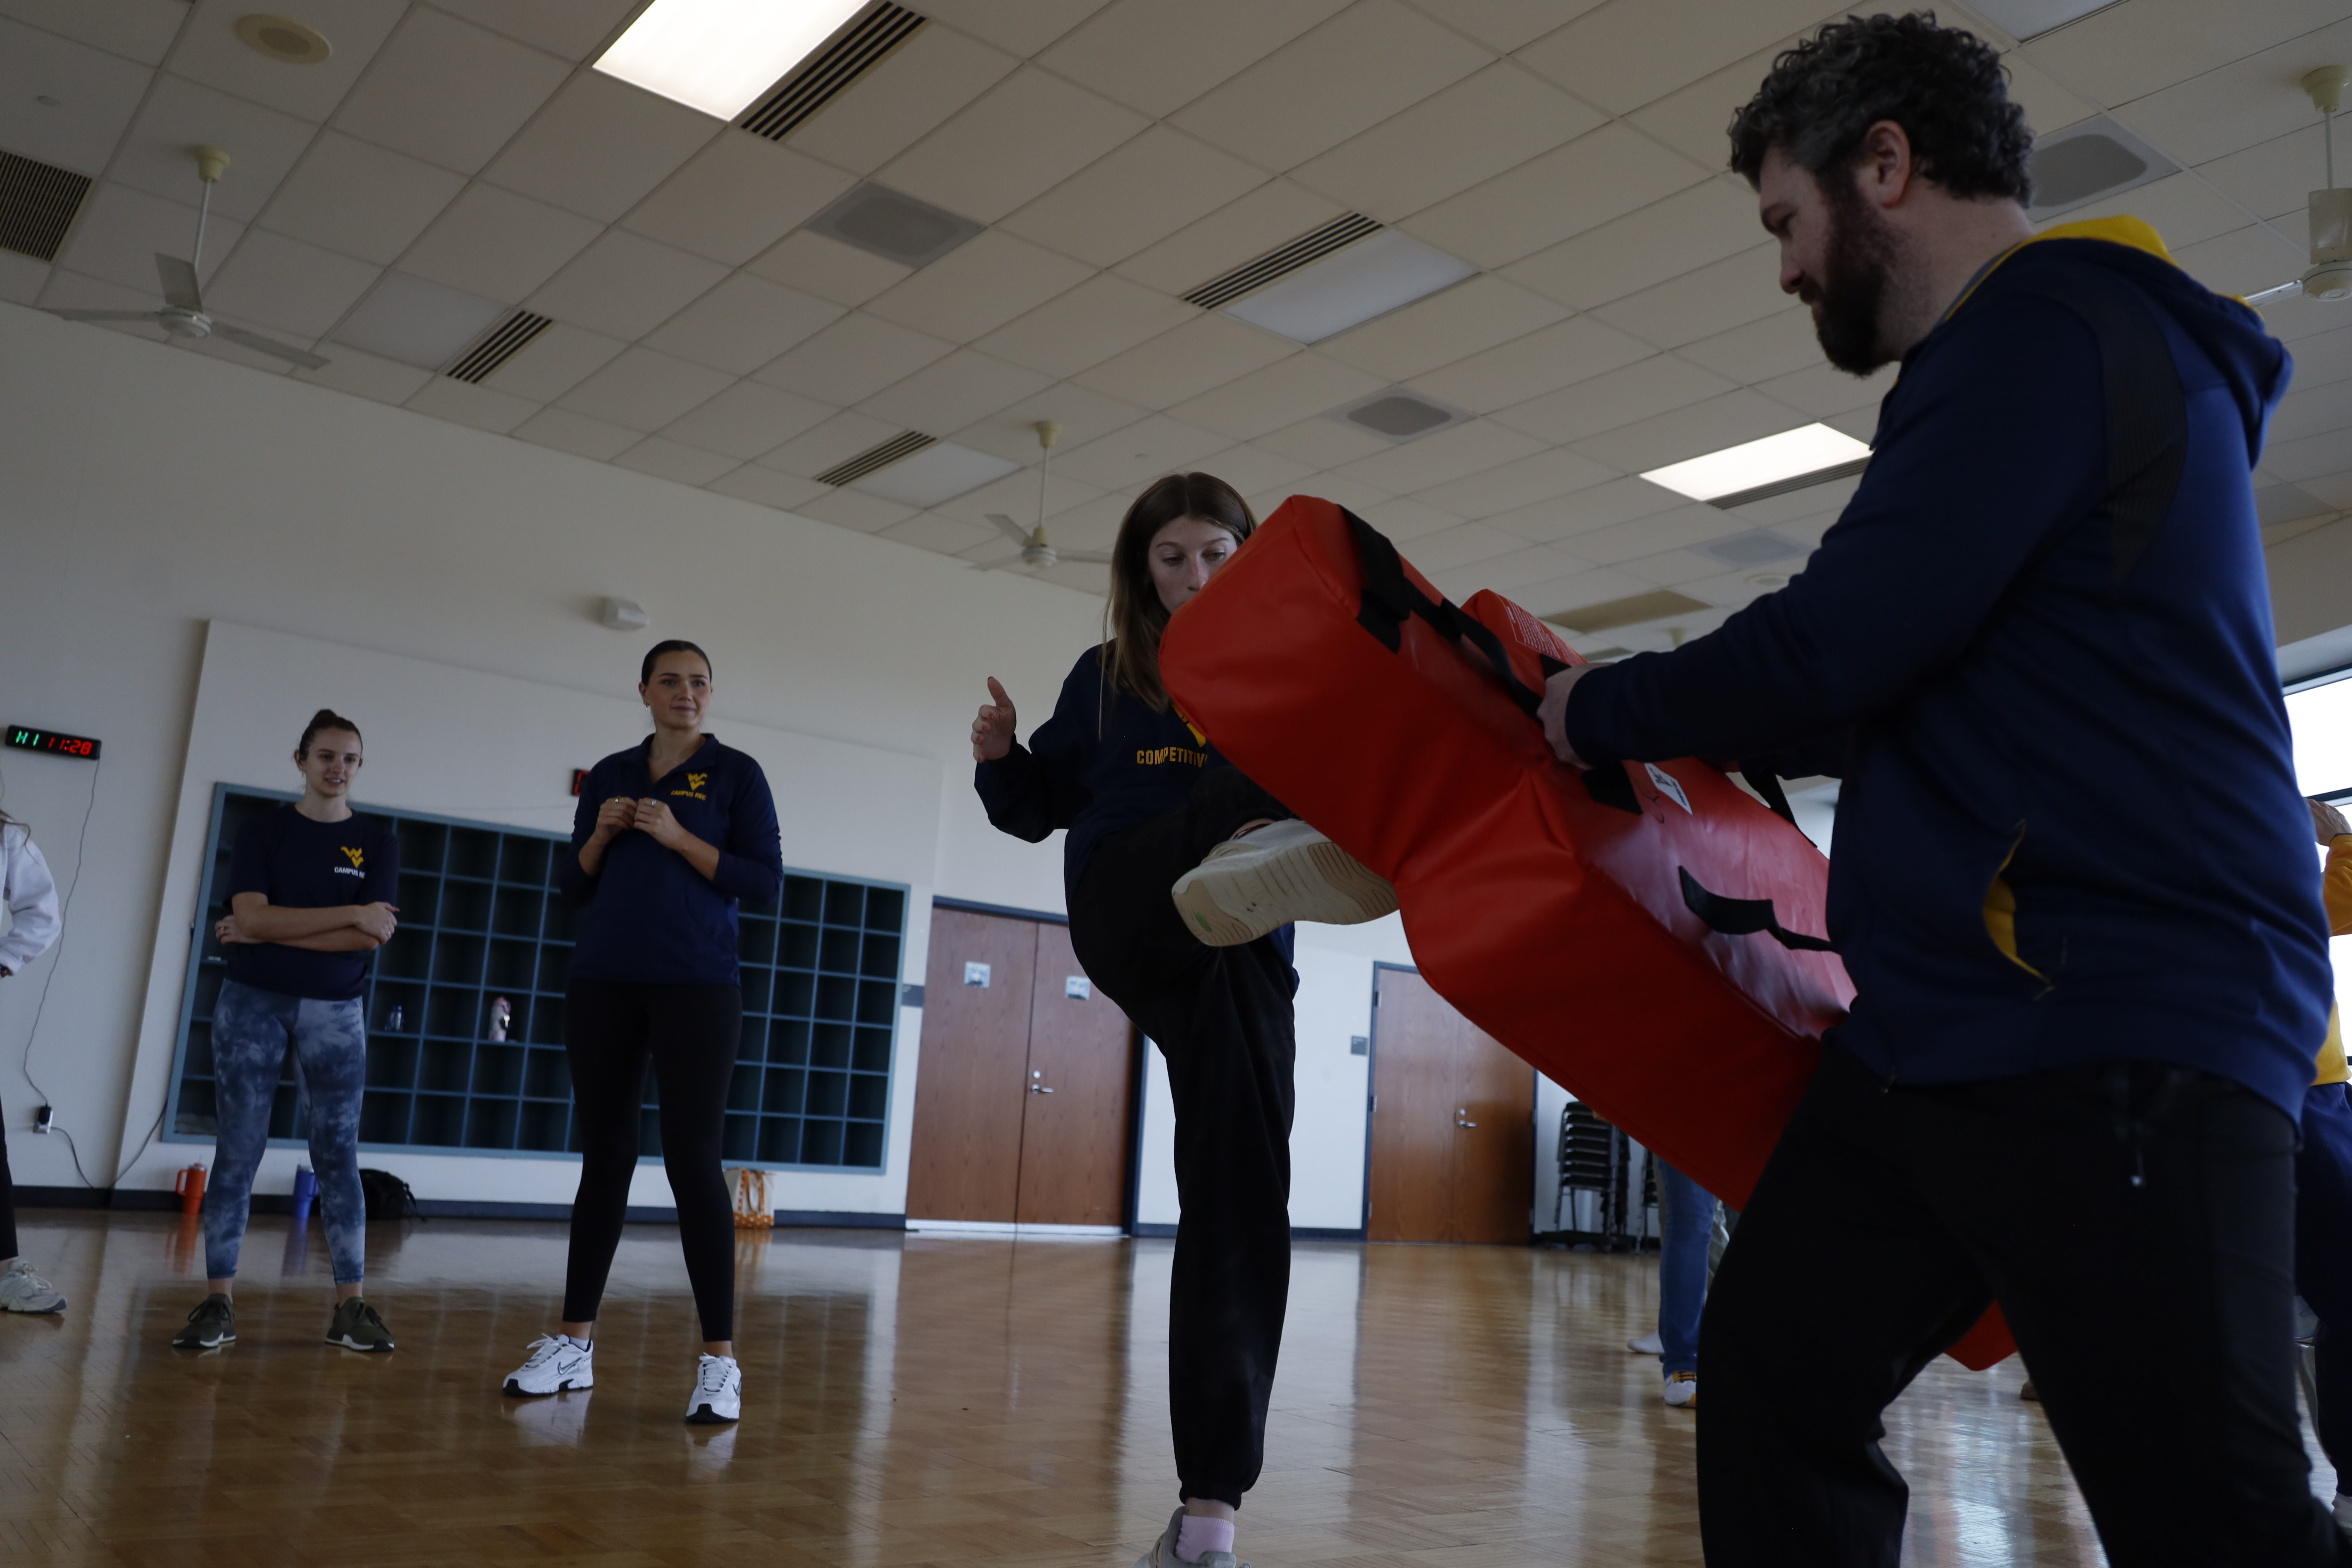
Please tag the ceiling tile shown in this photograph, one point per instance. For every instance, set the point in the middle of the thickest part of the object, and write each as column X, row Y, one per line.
column 853, row 359
column 1600, row 403
column 1433, row 459
column 827, row 269
column 1354, row 494
column 2291, row 320
column 2325, row 359
column 1125, row 460
column 1565, row 192
column 120, row 231
column 743, row 323
column 749, row 419
column 68, row 290
column 2244, row 262
column 626, row 285
column 2244, row 102
column 499, row 245
column 1449, row 142
column 21, row 277
column 1821, row 390
column 1015, row 496
column 1099, row 318
column 97, row 95
column 931, row 75
column 1530, row 365
column 822, row 445
column 599, row 146
column 221, row 348
column 930, row 530
column 1714, row 299
column 1278, row 396
column 1321, row 443
column 285, row 286
column 1083, row 414
column 856, row 510
column 417, row 323
column 1618, row 54
column 2130, row 50
column 1514, row 573
column 1158, row 54
column 2272, row 179
column 978, row 287
column 2048, row 106
column 1680, row 568
column 737, row 197
column 1582, row 511
column 1027, row 135
column 645, row 390
column 1255, row 471
column 1718, row 422
column 140, row 30
column 2182, row 207
column 366, row 375
column 1273, row 215
column 1693, row 120
column 1462, row 545
column 1508, row 487
column 953, row 393
column 359, row 198
column 1778, row 345
column 1506, row 25
column 1347, row 74
column 666, row 460
column 1598, row 587
column 766, row 486
column 1138, row 194
column 208, row 51
column 1206, row 351
column 1684, row 525
column 448, row 92
column 572, row 28
column 1024, row 30
column 461, row 403
column 576, row 434
column 559, row 359
column 178, row 114
column 1476, row 313
column 1704, row 223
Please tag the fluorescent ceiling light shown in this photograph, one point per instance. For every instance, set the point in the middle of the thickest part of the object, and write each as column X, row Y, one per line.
column 415, row 323
column 1370, row 278
column 1804, row 450
column 717, row 56
column 941, row 471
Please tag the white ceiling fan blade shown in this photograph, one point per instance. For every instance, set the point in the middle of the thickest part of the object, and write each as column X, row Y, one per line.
column 1018, row 534
column 1090, row 557
column 179, row 277
column 271, row 346
column 105, row 315
column 2287, row 290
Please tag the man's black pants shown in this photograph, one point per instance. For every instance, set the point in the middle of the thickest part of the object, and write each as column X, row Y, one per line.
column 1222, row 1018
column 2136, row 1223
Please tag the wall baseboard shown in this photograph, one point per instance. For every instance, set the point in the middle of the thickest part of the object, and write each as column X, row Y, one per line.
column 1298, row 1232
column 154, row 1200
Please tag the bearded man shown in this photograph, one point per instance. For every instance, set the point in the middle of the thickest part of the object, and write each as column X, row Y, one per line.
column 2071, row 875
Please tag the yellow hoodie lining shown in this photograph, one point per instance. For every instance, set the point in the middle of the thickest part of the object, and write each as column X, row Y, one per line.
column 2130, row 231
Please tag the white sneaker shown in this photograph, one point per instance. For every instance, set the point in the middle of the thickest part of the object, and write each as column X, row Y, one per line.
column 1682, row 1390
column 1283, row 872
column 22, row 1290
column 1646, row 1344
column 1163, row 1551
column 557, row 1362
column 717, row 1392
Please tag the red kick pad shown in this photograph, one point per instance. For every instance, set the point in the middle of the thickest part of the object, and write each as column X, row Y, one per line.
column 1559, row 911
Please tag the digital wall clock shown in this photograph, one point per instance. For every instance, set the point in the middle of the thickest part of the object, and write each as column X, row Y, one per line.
column 26, row 737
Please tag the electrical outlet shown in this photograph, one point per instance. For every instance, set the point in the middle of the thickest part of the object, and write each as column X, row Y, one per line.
column 44, row 1118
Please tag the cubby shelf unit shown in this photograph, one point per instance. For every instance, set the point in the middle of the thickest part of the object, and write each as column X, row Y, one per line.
column 481, row 918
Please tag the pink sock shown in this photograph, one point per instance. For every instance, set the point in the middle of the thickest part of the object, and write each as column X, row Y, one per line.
column 1199, row 1533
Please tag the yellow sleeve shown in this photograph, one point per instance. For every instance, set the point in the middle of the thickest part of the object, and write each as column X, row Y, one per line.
column 2336, row 886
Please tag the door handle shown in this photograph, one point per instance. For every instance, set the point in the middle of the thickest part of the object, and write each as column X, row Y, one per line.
column 1462, row 1117
column 1039, row 1089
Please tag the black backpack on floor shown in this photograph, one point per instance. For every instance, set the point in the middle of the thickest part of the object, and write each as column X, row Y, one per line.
column 387, row 1196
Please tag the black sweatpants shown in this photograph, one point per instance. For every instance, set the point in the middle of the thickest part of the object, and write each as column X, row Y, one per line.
column 1221, row 1017
column 7, row 1205
column 2135, row 1222
column 691, row 1033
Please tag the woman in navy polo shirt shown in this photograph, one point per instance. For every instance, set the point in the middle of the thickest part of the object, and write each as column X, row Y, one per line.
column 669, row 837
column 309, row 894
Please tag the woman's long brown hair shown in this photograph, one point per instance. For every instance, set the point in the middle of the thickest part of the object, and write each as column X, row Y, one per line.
column 1134, row 618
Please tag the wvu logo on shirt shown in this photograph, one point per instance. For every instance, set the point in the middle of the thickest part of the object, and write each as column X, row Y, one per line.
column 693, row 790
column 355, row 856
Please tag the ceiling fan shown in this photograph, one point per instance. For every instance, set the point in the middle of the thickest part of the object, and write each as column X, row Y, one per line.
column 1034, row 549
column 2330, row 275
column 183, row 315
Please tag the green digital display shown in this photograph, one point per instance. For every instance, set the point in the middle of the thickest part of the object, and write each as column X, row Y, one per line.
column 25, row 737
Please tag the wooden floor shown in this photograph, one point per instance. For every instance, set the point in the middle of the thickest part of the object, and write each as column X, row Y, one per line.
column 907, row 1401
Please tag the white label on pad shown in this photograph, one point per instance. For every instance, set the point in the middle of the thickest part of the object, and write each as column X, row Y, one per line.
column 1668, row 785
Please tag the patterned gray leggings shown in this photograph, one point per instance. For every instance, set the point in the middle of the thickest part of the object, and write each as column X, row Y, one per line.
column 250, row 1030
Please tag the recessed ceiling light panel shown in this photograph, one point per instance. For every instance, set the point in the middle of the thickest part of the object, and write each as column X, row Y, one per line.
column 884, row 223
column 2088, row 161
column 941, row 471
column 1370, row 278
column 1398, row 416
column 1752, row 465
column 717, row 56
column 415, row 323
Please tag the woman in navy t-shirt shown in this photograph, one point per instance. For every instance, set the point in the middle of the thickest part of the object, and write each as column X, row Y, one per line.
column 669, row 837
column 309, row 894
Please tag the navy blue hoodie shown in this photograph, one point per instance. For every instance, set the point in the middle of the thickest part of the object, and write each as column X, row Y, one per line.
column 2069, row 830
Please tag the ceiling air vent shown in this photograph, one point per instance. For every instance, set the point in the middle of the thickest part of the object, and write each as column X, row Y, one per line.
column 1313, row 247
column 2085, row 161
column 874, row 458
column 1398, row 416
column 858, row 49
column 1753, row 548
column 37, row 202
column 882, row 222
column 499, row 344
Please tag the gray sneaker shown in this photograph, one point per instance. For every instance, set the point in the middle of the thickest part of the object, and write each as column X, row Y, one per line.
column 1163, row 1551
column 212, row 1325
column 355, row 1327
column 22, row 1290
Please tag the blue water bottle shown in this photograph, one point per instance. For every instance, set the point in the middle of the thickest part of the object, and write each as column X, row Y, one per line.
column 306, row 1187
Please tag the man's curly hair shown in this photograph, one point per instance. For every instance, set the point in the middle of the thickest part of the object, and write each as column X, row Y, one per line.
column 1945, row 87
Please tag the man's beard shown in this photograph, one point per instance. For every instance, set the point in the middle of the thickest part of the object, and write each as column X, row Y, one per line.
column 1856, row 276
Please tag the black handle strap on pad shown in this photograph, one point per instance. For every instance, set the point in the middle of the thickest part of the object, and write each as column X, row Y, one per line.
column 1744, row 917
column 1390, row 598
column 1767, row 783
column 1608, row 785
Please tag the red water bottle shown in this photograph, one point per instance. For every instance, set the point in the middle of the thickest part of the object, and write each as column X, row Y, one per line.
column 190, row 1188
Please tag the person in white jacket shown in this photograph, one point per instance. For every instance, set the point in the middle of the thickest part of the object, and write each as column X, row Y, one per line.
column 30, row 895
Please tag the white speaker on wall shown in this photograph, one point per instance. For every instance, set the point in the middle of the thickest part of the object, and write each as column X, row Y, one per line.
column 623, row 615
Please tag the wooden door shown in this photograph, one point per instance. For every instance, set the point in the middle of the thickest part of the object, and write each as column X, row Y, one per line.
column 1452, row 1141
column 969, row 1096
column 1080, row 1095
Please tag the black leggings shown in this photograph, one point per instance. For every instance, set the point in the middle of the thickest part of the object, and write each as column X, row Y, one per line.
column 7, row 1205
column 1221, row 1017
column 691, row 1033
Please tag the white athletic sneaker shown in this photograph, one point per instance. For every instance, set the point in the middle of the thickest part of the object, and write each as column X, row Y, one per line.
column 1682, row 1390
column 557, row 1362
column 1283, row 872
column 1646, row 1344
column 22, row 1290
column 1163, row 1551
column 718, row 1395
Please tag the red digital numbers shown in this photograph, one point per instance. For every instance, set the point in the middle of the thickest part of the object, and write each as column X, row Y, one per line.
column 30, row 740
